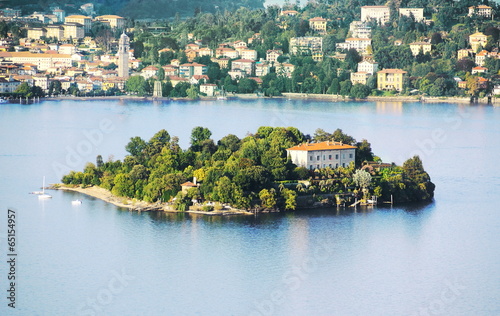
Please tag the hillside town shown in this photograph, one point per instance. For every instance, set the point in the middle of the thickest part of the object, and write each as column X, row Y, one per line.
column 387, row 51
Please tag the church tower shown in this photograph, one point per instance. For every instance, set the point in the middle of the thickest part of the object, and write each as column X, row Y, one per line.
column 123, row 48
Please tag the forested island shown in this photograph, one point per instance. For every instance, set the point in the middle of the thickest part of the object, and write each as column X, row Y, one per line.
column 253, row 173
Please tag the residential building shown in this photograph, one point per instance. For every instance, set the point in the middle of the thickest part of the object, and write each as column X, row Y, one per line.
column 377, row 12
column 463, row 53
column 226, row 52
column 123, row 56
column 285, row 70
column 479, row 70
column 10, row 13
column 223, row 62
column 368, row 66
column 248, row 54
column 288, row 13
column 208, row 89
column 359, row 77
column 69, row 49
column 73, row 30
column 482, row 10
column 8, row 85
column 205, row 51
column 322, row 155
column 391, row 79
column 272, row 55
column 306, row 45
column 360, row 29
column 318, row 24
column 189, row 70
column 418, row 47
column 56, row 31
column 36, row 33
column 81, row 19
column 262, row 68
column 477, row 40
column 239, row 45
column 114, row 21
column 480, row 57
column 148, row 72
column 359, row 44
column 42, row 61
column 171, row 70
column 417, row 13
column 246, row 65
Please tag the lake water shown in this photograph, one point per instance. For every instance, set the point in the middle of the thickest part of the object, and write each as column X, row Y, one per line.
column 439, row 258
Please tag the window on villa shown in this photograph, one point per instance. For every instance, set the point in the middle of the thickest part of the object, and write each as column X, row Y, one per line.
column 350, row 155
column 330, row 157
column 337, row 156
column 310, row 167
column 317, row 157
column 310, row 157
column 324, row 157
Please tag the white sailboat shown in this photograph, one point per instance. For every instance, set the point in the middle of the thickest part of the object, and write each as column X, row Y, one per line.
column 44, row 196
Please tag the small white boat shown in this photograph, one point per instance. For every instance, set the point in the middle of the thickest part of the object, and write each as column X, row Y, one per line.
column 76, row 202
column 221, row 98
column 36, row 192
column 44, row 196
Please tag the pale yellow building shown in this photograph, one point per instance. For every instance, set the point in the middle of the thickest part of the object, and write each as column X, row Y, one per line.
column 36, row 33
column 359, row 77
column 418, row 47
column 73, row 30
column 56, row 31
column 81, row 19
column 114, row 21
column 318, row 24
column 42, row 61
column 476, row 40
column 391, row 79
column 322, row 155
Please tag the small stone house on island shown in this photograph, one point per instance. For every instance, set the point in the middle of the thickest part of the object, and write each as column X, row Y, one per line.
column 322, row 155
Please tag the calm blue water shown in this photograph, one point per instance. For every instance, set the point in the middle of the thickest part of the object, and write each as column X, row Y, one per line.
column 440, row 258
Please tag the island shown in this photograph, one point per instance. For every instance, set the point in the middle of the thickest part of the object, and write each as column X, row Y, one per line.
column 275, row 169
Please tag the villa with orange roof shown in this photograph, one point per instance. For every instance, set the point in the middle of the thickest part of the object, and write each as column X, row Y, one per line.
column 318, row 24
column 322, row 155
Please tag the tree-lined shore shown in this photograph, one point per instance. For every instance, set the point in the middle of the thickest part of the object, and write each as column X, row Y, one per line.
column 250, row 173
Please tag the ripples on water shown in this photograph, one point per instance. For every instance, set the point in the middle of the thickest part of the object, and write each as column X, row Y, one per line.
column 384, row 261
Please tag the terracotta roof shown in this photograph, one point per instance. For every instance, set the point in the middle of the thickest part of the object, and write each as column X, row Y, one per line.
column 188, row 184
column 109, row 16
column 77, row 17
column 392, row 71
column 321, row 146
column 317, row 19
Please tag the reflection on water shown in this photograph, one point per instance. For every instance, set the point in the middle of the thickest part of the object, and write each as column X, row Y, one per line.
column 389, row 107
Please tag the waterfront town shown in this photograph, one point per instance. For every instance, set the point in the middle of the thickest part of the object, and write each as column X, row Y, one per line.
column 387, row 50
